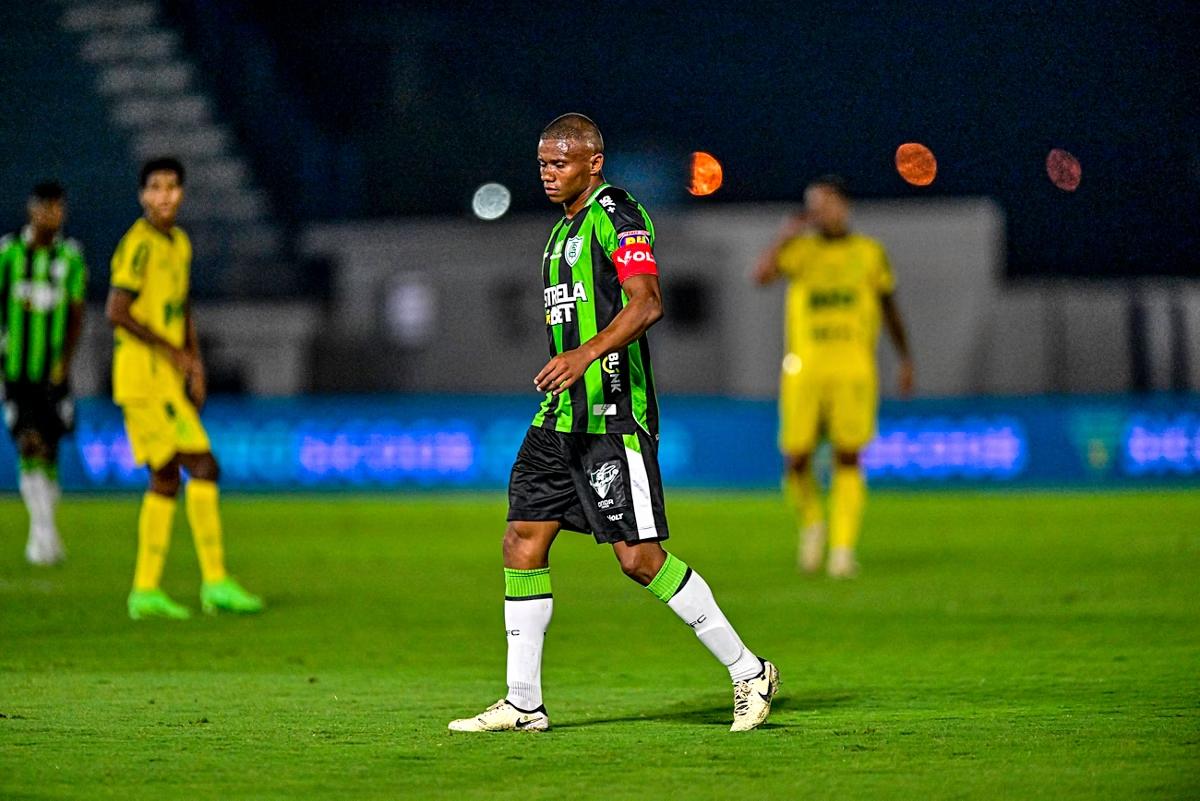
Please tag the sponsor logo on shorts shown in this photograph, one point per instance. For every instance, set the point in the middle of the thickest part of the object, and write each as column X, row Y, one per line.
column 615, row 518
column 602, row 477
column 605, row 479
column 604, row 409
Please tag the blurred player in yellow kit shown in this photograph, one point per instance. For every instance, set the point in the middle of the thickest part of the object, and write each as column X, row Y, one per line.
column 840, row 285
column 159, row 383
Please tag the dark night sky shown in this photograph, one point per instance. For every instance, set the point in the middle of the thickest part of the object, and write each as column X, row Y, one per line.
column 440, row 99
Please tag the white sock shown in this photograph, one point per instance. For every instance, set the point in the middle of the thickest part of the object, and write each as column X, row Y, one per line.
column 695, row 605
column 35, row 490
column 525, row 623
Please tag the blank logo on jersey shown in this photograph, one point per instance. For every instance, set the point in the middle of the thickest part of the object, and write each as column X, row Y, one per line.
column 574, row 249
column 605, row 480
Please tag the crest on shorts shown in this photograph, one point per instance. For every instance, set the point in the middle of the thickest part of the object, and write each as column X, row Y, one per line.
column 602, row 477
column 574, row 248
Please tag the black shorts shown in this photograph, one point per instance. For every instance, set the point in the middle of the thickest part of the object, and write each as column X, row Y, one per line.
column 45, row 409
column 606, row 485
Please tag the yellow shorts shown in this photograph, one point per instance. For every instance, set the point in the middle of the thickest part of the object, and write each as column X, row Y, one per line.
column 159, row 428
column 839, row 403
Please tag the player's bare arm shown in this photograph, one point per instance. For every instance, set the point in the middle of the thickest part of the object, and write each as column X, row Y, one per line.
column 197, row 381
column 767, row 269
column 74, row 332
column 899, row 337
column 643, row 310
column 117, row 310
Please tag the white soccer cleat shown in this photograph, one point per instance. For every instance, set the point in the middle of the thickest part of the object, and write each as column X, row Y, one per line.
column 503, row 716
column 842, row 564
column 752, row 699
column 812, row 548
column 44, row 548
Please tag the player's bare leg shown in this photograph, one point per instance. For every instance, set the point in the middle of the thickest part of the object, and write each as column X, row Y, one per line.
column 847, row 498
column 528, row 607
column 805, row 496
column 39, row 490
column 755, row 681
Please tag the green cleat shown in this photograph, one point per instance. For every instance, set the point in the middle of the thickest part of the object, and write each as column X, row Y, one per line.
column 155, row 603
column 227, row 595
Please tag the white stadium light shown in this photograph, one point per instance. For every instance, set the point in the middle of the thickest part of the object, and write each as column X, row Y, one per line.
column 491, row 201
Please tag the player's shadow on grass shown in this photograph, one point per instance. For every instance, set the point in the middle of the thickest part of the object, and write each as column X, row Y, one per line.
column 720, row 715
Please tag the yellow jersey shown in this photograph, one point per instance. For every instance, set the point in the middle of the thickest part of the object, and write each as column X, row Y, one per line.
column 833, row 312
column 156, row 268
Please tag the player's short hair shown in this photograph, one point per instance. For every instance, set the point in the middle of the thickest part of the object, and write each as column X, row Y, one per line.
column 575, row 127
column 44, row 191
column 834, row 183
column 161, row 164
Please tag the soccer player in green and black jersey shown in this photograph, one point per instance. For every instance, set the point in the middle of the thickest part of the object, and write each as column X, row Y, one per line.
column 42, row 279
column 589, row 461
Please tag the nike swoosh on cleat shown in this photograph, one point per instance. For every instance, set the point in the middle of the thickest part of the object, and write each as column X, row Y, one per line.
column 766, row 698
column 525, row 723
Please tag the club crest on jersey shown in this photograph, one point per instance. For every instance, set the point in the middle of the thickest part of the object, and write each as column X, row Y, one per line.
column 573, row 250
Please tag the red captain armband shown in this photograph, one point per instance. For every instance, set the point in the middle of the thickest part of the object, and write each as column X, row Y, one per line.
column 636, row 258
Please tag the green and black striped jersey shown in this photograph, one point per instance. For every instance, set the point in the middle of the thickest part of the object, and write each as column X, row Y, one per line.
column 37, row 288
column 586, row 260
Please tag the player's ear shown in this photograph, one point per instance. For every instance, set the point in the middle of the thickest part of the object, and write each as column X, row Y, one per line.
column 597, row 163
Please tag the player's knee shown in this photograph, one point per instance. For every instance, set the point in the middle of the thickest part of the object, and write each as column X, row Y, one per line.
column 798, row 462
column 639, row 565
column 523, row 546
column 206, row 468
column 31, row 445
column 165, row 480
column 847, row 458
column 512, row 540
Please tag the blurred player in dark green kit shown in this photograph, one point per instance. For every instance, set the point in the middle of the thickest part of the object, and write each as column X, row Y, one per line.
column 589, row 461
column 42, row 281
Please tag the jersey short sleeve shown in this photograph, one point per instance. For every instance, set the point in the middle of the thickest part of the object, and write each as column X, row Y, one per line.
column 626, row 234
column 792, row 256
column 129, row 263
column 6, row 254
column 76, row 274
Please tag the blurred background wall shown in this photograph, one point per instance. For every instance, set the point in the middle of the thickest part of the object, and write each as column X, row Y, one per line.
column 332, row 153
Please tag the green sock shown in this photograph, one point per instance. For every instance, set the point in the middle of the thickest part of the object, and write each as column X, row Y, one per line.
column 669, row 579
column 523, row 585
column 34, row 464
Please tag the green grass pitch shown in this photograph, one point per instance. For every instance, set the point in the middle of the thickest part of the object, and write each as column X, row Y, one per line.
column 1017, row 646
